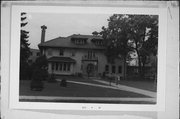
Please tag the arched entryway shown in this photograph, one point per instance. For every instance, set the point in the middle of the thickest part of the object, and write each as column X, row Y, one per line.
column 91, row 69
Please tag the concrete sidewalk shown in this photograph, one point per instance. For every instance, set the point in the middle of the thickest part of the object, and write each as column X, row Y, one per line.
column 130, row 89
column 108, row 99
column 116, row 87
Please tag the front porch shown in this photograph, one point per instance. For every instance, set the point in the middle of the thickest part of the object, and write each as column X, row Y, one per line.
column 61, row 65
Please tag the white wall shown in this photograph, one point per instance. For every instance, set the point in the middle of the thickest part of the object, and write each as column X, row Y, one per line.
column 79, row 53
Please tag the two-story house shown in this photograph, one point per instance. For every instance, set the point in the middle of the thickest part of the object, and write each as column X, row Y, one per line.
column 84, row 54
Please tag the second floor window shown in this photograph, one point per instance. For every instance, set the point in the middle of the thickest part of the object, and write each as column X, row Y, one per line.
column 73, row 53
column 49, row 52
column 61, row 52
column 37, row 54
column 120, row 69
column 91, row 54
column 107, row 68
column 113, row 69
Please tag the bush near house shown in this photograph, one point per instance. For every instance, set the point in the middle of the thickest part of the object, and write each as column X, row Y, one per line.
column 39, row 73
column 63, row 83
column 52, row 78
column 36, row 82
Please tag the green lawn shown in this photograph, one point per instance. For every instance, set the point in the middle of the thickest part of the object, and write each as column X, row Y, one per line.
column 84, row 87
column 74, row 90
column 141, row 84
column 146, row 85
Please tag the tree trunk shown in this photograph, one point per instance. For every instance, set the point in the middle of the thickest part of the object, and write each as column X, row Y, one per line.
column 143, row 70
column 124, row 72
column 139, row 65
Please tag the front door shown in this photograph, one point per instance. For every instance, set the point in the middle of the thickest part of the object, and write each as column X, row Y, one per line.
column 90, row 69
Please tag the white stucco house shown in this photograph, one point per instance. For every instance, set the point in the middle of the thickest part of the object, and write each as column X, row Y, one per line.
column 84, row 54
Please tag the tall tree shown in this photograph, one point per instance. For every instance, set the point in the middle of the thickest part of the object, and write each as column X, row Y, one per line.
column 144, row 35
column 24, row 48
column 127, row 33
column 116, row 37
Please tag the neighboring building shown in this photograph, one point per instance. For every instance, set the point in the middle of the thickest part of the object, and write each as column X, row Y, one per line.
column 150, row 65
column 78, row 54
column 134, row 60
column 34, row 54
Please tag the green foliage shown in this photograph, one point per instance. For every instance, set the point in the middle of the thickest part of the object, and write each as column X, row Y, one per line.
column 131, row 33
column 95, row 33
column 39, row 73
column 52, row 78
column 37, row 78
column 41, row 62
column 40, row 66
column 145, row 37
column 116, row 36
column 24, row 49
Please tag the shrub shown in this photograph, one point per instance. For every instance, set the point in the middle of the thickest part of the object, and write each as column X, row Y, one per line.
column 37, row 85
column 52, row 78
column 36, row 82
column 63, row 83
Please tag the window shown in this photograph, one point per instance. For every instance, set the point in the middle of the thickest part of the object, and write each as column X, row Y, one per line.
column 37, row 54
column 120, row 69
column 61, row 52
column 73, row 53
column 64, row 68
column 79, row 41
column 91, row 54
column 60, row 66
column 113, row 69
column 52, row 66
column 49, row 52
column 107, row 68
column 68, row 67
column 56, row 66
column 30, row 61
column 81, row 67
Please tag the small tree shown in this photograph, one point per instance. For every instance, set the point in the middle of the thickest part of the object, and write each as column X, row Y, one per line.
column 39, row 73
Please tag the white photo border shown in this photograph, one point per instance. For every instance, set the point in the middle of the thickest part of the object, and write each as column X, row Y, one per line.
column 15, row 54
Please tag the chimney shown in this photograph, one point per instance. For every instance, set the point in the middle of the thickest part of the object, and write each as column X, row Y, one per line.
column 43, row 33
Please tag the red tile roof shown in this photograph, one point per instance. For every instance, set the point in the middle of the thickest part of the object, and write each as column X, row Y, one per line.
column 67, row 43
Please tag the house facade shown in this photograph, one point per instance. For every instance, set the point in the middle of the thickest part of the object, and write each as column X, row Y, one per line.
column 79, row 54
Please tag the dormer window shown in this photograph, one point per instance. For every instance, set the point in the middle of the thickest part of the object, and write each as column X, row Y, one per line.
column 79, row 41
column 98, row 42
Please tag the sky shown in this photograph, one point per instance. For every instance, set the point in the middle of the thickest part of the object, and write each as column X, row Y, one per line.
column 62, row 25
